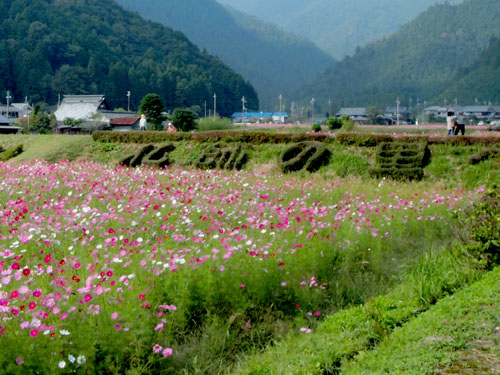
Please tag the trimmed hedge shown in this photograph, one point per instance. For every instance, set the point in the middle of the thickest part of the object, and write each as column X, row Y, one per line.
column 373, row 140
column 253, row 137
column 230, row 158
column 401, row 160
column 149, row 155
column 483, row 155
column 11, row 152
column 304, row 155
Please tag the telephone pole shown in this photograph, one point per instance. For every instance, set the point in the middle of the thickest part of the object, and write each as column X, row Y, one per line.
column 128, row 101
column 243, row 101
column 8, row 102
column 215, row 104
column 397, row 111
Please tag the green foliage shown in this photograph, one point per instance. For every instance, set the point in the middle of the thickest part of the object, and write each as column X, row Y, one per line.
column 40, row 121
column 401, row 160
column 64, row 47
column 149, row 155
column 316, row 128
column 483, row 155
column 152, row 106
column 304, row 155
column 348, row 124
column 275, row 61
column 11, row 152
column 483, row 222
column 334, row 123
column 254, row 137
column 68, row 121
column 217, row 157
column 413, row 62
column 184, row 119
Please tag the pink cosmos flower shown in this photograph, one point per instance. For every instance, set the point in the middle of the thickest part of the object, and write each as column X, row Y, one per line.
column 114, row 315
column 19, row 360
column 168, row 352
column 157, row 348
column 34, row 332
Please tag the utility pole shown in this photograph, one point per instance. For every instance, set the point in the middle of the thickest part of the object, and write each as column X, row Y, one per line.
column 397, row 111
column 215, row 104
column 243, row 101
column 312, row 110
column 329, row 108
column 28, row 111
column 8, row 102
column 281, row 97
column 128, row 101
column 205, row 109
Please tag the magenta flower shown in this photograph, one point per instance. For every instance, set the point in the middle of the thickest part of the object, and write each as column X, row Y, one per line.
column 168, row 352
column 19, row 360
column 34, row 332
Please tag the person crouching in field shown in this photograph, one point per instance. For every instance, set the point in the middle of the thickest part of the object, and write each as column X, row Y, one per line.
column 450, row 123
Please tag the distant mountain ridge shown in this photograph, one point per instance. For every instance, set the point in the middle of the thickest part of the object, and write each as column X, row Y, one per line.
column 52, row 47
column 421, row 61
column 337, row 26
column 274, row 62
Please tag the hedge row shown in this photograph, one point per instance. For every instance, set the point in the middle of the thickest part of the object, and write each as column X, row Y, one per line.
column 304, row 155
column 373, row 140
column 401, row 160
column 253, row 137
column 10, row 152
column 485, row 154
column 231, row 158
column 149, row 155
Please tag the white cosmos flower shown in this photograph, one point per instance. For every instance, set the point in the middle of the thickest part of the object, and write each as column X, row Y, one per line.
column 81, row 359
column 64, row 332
column 71, row 358
column 62, row 364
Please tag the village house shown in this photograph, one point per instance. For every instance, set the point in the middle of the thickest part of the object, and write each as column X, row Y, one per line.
column 259, row 117
column 90, row 112
column 356, row 114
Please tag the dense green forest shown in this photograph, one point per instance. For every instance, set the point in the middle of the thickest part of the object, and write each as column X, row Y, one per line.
column 275, row 62
column 337, row 26
column 479, row 81
column 52, row 47
column 420, row 61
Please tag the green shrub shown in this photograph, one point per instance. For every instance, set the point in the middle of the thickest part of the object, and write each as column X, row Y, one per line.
column 484, row 155
column 223, row 158
column 334, row 123
column 137, row 159
column 159, row 157
column 316, row 128
column 308, row 155
column 1, row 149
column 253, row 137
column 483, row 223
column 11, row 152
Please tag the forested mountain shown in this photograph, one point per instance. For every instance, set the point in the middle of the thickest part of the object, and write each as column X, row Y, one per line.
column 274, row 61
column 479, row 81
column 52, row 47
column 337, row 26
column 420, row 61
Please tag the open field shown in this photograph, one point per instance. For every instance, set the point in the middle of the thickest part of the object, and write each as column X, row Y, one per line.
column 107, row 269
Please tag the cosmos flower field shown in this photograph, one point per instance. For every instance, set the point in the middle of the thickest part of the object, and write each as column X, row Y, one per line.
column 117, row 267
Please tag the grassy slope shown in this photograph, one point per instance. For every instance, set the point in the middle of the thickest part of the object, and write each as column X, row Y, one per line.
column 461, row 334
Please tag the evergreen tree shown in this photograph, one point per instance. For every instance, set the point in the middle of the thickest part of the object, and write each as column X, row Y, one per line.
column 184, row 119
column 152, row 107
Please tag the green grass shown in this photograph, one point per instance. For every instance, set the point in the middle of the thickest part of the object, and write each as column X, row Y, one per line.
column 359, row 329
column 459, row 335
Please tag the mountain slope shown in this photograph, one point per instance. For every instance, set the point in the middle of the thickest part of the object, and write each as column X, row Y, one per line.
column 419, row 61
column 275, row 62
column 337, row 26
column 479, row 81
column 52, row 47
